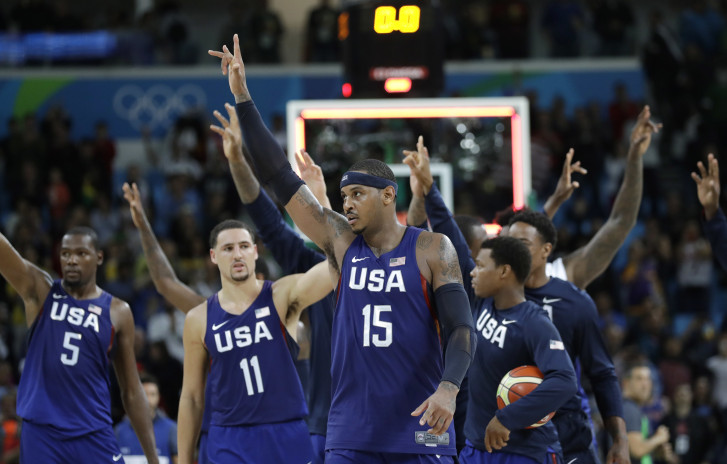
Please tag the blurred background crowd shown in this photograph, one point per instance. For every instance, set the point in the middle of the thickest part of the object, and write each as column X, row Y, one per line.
column 663, row 299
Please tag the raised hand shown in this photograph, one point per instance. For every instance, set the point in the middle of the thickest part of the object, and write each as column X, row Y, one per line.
column 566, row 185
column 132, row 195
column 641, row 133
column 708, row 186
column 312, row 175
column 233, row 66
column 230, row 132
column 418, row 162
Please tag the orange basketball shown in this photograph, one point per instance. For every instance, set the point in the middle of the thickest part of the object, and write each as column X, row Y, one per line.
column 518, row 383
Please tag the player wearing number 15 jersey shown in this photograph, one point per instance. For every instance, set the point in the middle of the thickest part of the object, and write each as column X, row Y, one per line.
column 246, row 331
column 75, row 329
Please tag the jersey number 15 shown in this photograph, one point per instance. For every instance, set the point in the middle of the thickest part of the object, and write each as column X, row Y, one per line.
column 377, row 323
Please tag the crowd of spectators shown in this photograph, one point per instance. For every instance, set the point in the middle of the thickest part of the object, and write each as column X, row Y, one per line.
column 163, row 32
column 662, row 300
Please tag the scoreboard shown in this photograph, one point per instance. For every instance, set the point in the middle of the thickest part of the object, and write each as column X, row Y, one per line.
column 392, row 48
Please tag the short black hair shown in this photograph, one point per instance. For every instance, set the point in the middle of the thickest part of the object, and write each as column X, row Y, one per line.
column 148, row 378
column 87, row 231
column 541, row 222
column 629, row 370
column 510, row 251
column 466, row 223
column 374, row 167
column 503, row 216
column 229, row 224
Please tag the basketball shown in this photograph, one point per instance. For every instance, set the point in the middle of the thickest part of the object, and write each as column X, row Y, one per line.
column 518, row 383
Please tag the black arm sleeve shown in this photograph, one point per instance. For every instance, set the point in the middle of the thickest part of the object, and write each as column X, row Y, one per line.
column 458, row 332
column 270, row 161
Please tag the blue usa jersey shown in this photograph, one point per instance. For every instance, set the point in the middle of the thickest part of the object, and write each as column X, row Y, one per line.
column 291, row 253
column 387, row 355
column 518, row 336
column 65, row 382
column 252, row 377
column 575, row 316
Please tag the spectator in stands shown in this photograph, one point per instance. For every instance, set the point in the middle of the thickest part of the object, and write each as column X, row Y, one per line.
column 10, row 429
column 694, row 270
column 511, row 23
column 643, row 442
column 562, row 22
column 613, row 21
column 261, row 38
column 165, row 429
column 322, row 44
column 718, row 367
column 691, row 437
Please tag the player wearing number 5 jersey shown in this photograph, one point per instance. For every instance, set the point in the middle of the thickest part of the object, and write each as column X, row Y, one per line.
column 75, row 329
column 395, row 286
column 247, row 330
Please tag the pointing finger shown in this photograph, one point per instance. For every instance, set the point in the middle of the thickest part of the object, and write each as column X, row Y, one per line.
column 225, row 123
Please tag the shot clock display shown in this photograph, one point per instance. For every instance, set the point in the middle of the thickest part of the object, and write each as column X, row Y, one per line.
column 392, row 48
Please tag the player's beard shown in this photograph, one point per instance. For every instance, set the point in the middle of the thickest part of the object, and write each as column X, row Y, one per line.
column 240, row 278
column 75, row 282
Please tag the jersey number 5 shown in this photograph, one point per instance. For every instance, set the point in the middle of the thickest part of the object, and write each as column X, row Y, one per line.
column 378, row 323
column 72, row 359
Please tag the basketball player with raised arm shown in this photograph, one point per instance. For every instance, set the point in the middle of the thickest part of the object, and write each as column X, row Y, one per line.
column 512, row 332
column 398, row 289
column 571, row 310
column 75, row 329
column 243, row 335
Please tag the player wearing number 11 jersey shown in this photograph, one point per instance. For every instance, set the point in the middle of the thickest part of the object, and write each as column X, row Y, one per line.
column 75, row 329
column 246, row 330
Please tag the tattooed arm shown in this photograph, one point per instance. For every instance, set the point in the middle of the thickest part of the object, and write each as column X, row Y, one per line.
column 458, row 338
column 584, row 265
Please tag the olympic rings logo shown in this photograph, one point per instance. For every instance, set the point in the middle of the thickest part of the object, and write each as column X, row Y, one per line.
column 158, row 106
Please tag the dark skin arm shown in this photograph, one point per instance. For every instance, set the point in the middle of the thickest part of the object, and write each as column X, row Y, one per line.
column 329, row 230
column 619, row 452
column 496, row 435
column 132, row 393
column 417, row 213
column 162, row 274
column 438, row 263
column 708, row 186
column 585, row 264
column 31, row 282
column 566, row 186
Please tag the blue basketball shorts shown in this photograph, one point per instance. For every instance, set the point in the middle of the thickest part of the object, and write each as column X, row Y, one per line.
column 287, row 442
column 340, row 456
column 202, row 454
column 44, row 443
column 472, row 455
column 319, row 448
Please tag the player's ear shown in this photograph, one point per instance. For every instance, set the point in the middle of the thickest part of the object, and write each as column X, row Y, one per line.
column 99, row 257
column 213, row 257
column 504, row 271
column 389, row 195
column 547, row 248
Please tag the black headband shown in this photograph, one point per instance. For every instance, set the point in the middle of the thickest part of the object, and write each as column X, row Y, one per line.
column 361, row 178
